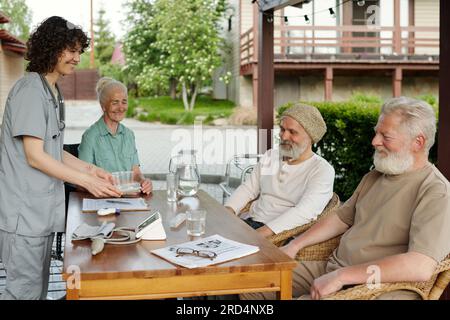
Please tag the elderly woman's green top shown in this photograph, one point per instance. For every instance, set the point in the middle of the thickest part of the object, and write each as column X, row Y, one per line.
column 111, row 152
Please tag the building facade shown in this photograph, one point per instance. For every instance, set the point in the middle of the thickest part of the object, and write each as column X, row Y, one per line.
column 332, row 49
column 12, row 51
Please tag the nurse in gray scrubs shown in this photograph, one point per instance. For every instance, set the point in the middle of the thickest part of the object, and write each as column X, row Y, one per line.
column 33, row 165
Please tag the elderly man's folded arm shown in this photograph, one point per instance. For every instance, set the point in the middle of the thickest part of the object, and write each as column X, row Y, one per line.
column 327, row 228
column 406, row 267
column 409, row 266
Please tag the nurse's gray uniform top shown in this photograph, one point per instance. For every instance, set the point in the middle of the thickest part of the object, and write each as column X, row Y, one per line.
column 31, row 202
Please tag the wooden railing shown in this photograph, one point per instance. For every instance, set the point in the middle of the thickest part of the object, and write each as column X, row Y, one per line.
column 247, row 47
column 292, row 41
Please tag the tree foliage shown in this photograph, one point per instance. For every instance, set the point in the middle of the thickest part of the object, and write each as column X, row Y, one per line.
column 104, row 46
column 20, row 15
column 137, row 44
column 188, row 44
column 104, row 43
column 104, row 40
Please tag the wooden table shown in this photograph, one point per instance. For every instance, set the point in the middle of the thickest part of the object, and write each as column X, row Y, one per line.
column 133, row 272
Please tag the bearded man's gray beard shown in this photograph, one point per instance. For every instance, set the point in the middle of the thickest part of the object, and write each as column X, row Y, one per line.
column 294, row 152
column 394, row 163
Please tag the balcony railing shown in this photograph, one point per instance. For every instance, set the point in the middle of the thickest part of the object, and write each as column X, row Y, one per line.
column 300, row 42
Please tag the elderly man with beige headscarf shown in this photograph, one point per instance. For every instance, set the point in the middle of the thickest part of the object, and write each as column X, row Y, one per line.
column 292, row 185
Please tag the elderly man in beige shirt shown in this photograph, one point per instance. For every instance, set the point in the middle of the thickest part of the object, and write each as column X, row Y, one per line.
column 397, row 222
column 292, row 192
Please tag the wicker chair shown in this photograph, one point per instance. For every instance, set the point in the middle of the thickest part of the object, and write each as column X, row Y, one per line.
column 428, row 290
column 281, row 238
column 310, row 253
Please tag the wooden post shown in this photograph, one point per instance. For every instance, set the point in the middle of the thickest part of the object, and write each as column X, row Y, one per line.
column 91, row 61
column 347, row 17
column 397, row 78
column 444, row 99
column 255, row 54
column 397, row 29
column 255, row 31
column 283, row 35
column 255, row 85
column 411, row 22
column 328, row 84
column 265, row 80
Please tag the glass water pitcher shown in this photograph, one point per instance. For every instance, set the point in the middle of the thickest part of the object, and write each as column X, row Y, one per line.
column 185, row 168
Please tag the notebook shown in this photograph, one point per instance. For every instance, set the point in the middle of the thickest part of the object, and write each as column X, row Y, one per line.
column 128, row 204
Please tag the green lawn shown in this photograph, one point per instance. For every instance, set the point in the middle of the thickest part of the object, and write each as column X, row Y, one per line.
column 169, row 111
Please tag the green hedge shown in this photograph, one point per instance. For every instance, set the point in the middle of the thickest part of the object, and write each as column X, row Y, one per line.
column 169, row 111
column 347, row 144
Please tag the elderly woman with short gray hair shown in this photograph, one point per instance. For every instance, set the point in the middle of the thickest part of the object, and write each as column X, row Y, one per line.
column 108, row 143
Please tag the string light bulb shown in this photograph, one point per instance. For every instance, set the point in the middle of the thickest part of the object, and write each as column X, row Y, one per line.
column 332, row 13
column 270, row 17
column 307, row 19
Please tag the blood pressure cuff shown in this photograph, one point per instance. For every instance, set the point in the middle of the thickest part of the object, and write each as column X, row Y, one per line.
column 85, row 231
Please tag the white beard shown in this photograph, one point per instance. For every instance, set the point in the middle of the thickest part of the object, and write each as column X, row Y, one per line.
column 394, row 162
column 294, row 152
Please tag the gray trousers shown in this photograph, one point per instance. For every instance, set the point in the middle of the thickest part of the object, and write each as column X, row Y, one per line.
column 303, row 276
column 27, row 264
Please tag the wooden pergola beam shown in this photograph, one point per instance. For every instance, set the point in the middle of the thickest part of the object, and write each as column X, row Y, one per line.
column 444, row 93
column 266, row 77
column 444, row 99
column 279, row 4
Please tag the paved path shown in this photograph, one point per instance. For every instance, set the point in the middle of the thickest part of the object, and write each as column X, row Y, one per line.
column 156, row 142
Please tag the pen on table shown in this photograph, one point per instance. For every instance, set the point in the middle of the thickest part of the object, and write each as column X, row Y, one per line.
column 118, row 201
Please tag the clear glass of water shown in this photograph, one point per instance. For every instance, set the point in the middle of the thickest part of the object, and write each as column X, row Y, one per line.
column 126, row 181
column 196, row 222
column 171, row 187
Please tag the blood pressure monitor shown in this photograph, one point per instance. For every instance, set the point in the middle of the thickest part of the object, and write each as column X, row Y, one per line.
column 151, row 228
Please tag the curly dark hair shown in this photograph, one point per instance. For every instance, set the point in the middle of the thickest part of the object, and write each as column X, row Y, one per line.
column 49, row 40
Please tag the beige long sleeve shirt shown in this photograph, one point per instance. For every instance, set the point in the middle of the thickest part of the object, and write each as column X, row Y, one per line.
column 289, row 195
